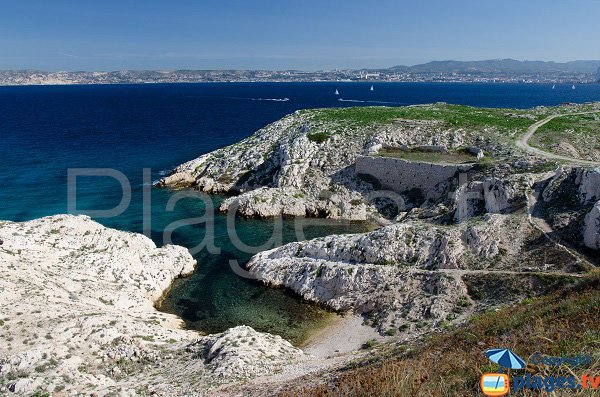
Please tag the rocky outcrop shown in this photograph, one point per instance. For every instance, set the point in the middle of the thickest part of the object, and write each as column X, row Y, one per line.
column 589, row 184
column 591, row 230
column 305, row 164
column 271, row 202
column 570, row 200
column 469, row 202
column 76, row 298
column 242, row 353
column 492, row 195
column 400, row 274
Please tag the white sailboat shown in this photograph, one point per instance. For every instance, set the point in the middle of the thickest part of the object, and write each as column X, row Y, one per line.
column 573, row 87
column 371, row 88
column 337, row 92
column 554, row 87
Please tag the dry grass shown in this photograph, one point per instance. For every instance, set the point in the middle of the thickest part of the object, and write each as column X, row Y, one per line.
column 450, row 364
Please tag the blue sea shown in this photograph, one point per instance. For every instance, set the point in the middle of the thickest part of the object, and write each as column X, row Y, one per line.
column 44, row 131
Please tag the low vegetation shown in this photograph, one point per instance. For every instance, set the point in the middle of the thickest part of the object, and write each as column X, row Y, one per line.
column 451, row 115
column 565, row 323
column 574, row 136
column 318, row 137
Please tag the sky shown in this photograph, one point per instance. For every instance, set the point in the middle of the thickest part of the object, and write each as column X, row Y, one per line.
column 278, row 34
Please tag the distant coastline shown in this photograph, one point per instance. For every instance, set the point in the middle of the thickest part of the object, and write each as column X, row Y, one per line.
column 491, row 71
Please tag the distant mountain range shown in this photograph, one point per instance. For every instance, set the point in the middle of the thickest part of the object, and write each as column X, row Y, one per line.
column 502, row 66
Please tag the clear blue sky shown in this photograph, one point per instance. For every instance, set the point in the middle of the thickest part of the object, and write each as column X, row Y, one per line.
column 279, row 34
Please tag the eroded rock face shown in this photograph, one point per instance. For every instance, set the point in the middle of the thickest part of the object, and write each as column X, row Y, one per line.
column 500, row 195
column 591, row 231
column 242, row 353
column 271, row 202
column 469, row 201
column 570, row 199
column 492, row 195
column 589, row 184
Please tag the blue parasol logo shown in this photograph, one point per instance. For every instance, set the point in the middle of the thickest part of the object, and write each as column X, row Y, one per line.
column 505, row 358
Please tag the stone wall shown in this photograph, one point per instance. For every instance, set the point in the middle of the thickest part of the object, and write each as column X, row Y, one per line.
column 401, row 175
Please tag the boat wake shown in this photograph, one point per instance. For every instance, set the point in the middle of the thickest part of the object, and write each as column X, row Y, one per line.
column 380, row 102
column 269, row 99
column 241, row 98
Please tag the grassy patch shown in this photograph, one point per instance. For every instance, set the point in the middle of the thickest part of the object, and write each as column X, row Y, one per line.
column 371, row 343
column 318, row 137
column 579, row 132
column 451, row 115
column 147, row 338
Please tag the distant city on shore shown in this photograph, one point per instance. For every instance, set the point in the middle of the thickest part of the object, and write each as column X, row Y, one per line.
column 489, row 71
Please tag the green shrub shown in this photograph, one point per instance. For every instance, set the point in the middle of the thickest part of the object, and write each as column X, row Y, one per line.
column 318, row 137
column 371, row 343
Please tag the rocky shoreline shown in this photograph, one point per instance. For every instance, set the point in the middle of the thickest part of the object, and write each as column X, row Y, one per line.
column 469, row 223
column 77, row 317
column 468, row 233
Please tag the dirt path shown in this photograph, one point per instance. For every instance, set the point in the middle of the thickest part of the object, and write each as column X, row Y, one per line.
column 522, row 142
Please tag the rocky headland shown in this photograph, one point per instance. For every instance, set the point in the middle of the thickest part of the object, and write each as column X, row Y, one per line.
column 468, row 220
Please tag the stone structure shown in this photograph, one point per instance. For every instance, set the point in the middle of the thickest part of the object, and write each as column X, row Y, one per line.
column 401, row 175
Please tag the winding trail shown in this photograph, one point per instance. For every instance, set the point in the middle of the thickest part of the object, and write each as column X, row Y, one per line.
column 522, row 142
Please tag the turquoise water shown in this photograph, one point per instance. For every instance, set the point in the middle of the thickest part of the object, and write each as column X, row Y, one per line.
column 44, row 131
column 214, row 298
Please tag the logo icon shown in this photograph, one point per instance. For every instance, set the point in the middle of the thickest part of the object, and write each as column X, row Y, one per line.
column 498, row 384
column 505, row 358
column 494, row 384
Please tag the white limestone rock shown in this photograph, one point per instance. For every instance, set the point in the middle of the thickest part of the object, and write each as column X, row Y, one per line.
column 242, row 353
column 589, row 184
column 591, row 230
column 75, row 298
column 386, row 271
column 492, row 195
column 271, row 202
column 468, row 200
column 320, row 172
